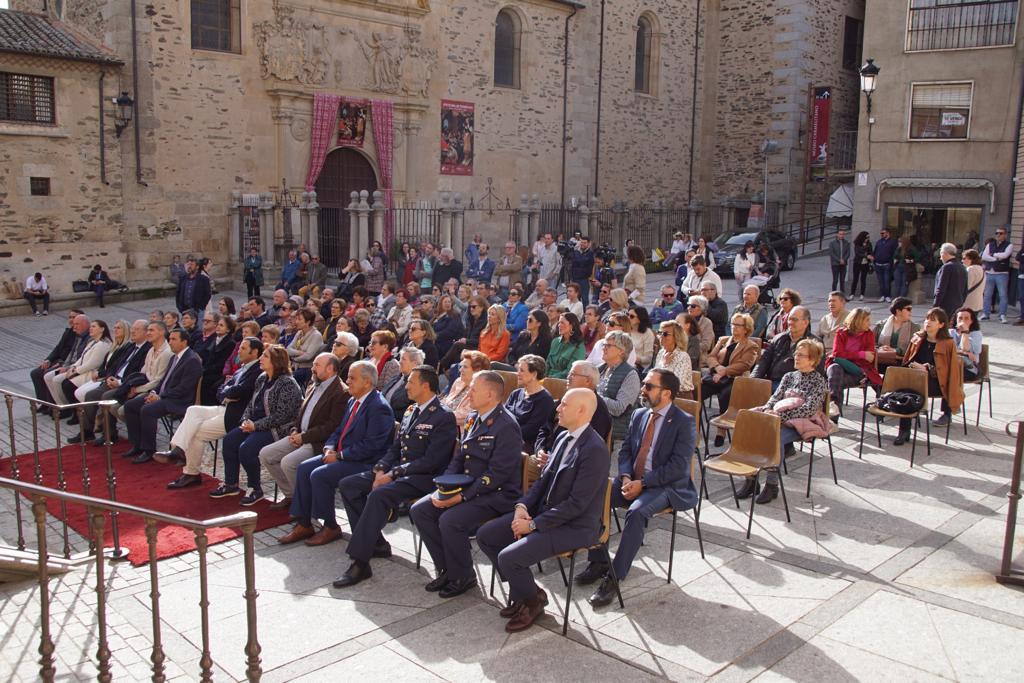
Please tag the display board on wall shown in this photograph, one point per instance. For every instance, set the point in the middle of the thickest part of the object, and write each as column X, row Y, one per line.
column 457, row 130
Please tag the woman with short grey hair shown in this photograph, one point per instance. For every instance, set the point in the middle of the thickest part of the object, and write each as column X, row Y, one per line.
column 620, row 383
column 697, row 306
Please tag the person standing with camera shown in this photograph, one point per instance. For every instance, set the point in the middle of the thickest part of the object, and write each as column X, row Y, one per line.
column 582, row 267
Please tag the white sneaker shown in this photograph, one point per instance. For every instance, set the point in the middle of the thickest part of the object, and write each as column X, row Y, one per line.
column 881, row 299
column 888, row 299
column 983, row 316
column 860, row 298
column 1002, row 319
column 46, row 313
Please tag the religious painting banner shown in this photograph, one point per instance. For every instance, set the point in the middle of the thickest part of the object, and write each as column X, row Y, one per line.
column 352, row 122
column 457, row 126
column 821, row 113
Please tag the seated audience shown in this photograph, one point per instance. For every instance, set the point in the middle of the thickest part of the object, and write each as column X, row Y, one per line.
column 534, row 340
column 63, row 381
column 531, row 404
column 447, row 324
column 852, row 361
column 620, row 383
column 932, row 349
column 777, row 359
column 717, row 310
column 421, row 336
column 457, row 399
column 583, row 375
column 696, row 308
column 515, row 317
column 833, row 320
column 593, row 329
column 495, row 338
column 642, row 336
column 967, row 336
column 382, row 342
column 566, row 348
column 68, row 350
column 756, row 311
column 779, row 322
column 893, row 334
column 732, row 357
column 396, row 393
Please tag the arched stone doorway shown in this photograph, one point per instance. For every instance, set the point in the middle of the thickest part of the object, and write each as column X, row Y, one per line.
column 345, row 171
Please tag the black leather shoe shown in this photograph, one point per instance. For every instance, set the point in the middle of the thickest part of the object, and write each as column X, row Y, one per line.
column 438, row 583
column 77, row 438
column 749, row 488
column 185, row 480
column 719, row 440
column 356, row 573
column 142, row 458
column 457, row 587
column 74, row 420
column 604, row 593
column 901, row 438
column 134, row 452
column 382, row 551
column 769, row 493
column 595, row 571
column 790, row 450
column 175, row 455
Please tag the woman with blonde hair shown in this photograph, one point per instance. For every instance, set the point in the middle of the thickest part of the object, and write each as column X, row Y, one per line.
column 618, row 302
column 672, row 355
column 457, row 398
column 852, row 361
column 731, row 357
column 615, row 322
column 495, row 338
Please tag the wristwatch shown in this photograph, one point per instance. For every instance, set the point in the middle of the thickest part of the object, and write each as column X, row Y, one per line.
column 533, row 525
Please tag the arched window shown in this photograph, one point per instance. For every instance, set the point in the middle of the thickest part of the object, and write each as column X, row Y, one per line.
column 507, row 40
column 644, row 49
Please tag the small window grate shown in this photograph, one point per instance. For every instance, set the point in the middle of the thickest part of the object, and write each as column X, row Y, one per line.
column 39, row 187
column 26, row 98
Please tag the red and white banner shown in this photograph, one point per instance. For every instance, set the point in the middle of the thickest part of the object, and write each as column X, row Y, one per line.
column 457, row 130
column 821, row 114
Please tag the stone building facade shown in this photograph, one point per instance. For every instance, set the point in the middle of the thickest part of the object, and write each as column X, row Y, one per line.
column 224, row 131
column 939, row 155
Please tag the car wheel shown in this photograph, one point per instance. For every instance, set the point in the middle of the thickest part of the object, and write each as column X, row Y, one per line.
column 790, row 261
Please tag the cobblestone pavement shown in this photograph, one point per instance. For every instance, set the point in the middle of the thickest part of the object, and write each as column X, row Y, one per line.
column 887, row 575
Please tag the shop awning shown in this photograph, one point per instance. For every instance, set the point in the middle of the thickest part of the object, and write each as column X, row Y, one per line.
column 840, row 203
column 939, row 184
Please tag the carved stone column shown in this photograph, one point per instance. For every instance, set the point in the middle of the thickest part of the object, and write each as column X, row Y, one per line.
column 660, row 225
column 458, row 224
column 523, row 227
column 363, row 212
column 619, row 227
column 445, row 229
column 309, row 219
column 268, row 239
column 379, row 211
column 353, row 221
column 235, row 231
column 693, row 224
column 534, row 219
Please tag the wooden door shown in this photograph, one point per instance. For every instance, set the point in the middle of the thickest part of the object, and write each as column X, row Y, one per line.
column 345, row 171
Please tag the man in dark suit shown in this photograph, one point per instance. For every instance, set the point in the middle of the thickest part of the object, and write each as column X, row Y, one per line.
column 175, row 394
column 258, row 311
column 209, row 423
column 124, row 361
column 950, row 282
column 424, row 447
column 582, row 375
column 560, row 512
column 321, row 412
column 194, row 290
column 491, row 452
column 361, row 439
column 654, row 468
column 67, row 351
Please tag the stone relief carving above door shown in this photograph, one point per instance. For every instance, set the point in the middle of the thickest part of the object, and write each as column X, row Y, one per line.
column 292, row 49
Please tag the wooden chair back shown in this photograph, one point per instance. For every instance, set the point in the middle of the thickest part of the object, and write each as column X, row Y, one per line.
column 749, row 392
column 693, row 408
column 606, row 515
column 696, row 389
column 755, row 440
column 511, row 383
column 556, row 387
column 898, row 377
column 982, row 367
column 527, row 470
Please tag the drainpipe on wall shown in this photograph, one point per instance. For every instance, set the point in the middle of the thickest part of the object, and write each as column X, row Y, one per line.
column 103, row 139
column 137, row 97
column 693, row 104
column 600, row 83
column 565, row 99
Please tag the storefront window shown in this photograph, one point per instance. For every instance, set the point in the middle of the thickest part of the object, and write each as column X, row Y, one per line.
column 934, row 224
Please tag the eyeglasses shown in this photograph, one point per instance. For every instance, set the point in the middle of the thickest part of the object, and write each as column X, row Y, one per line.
column 665, row 334
column 513, row 293
column 668, row 295
column 783, row 298
column 651, row 387
column 1000, row 232
column 693, row 305
column 338, row 343
column 474, row 307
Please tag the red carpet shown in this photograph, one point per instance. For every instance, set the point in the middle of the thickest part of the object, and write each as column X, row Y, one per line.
column 144, row 486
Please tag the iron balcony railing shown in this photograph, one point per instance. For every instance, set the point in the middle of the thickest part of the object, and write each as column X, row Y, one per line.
column 952, row 25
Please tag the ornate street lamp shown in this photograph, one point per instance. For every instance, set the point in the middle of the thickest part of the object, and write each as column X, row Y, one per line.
column 869, row 80
column 125, row 109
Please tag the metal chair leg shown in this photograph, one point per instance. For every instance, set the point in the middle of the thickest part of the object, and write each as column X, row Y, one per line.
column 493, row 572
column 561, row 568
column 913, row 443
column 928, row 436
column 863, row 418
column 785, row 503
column 989, row 383
column 615, row 577
column 832, row 457
column 810, row 468
column 615, row 515
column 735, row 497
column 672, row 547
column 696, row 523
column 981, row 392
column 568, row 593
column 750, row 517
column 963, row 414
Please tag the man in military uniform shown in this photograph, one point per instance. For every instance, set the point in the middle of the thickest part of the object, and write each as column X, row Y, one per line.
column 423, row 449
column 491, row 452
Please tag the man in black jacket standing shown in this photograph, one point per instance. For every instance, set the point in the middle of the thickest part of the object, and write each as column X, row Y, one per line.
column 950, row 282
column 421, row 452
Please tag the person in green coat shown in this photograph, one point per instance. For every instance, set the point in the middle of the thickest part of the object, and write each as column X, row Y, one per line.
column 253, row 273
column 567, row 347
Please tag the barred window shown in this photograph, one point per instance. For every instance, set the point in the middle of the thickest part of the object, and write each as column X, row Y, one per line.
column 26, row 98
column 960, row 24
column 39, row 187
column 216, row 25
column 940, row 111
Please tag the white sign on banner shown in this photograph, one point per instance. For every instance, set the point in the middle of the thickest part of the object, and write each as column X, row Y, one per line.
column 953, row 118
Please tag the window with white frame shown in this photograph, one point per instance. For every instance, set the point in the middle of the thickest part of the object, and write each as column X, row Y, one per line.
column 960, row 24
column 940, row 111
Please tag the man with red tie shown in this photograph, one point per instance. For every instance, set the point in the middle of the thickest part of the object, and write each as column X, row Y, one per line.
column 362, row 439
column 654, row 468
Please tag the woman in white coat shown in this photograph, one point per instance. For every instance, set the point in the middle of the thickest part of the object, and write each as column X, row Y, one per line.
column 743, row 266
column 79, row 372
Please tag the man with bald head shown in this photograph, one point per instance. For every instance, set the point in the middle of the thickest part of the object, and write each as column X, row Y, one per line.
column 70, row 349
column 560, row 512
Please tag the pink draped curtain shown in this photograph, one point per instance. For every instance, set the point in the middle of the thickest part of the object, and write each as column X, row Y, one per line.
column 324, row 128
column 383, row 116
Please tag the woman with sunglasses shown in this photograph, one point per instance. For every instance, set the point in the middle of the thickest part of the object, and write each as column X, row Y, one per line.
column 672, row 356
column 566, row 348
column 732, row 356
column 495, row 338
column 696, row 307
column 474, row 323
column 447, row 324
column 692, row 330
column 535, row 340
column 515, row 317
column 421, row 336
column 933, row 350
column 379, row 351
column 893, row 335
column 617, row 322
column 642, row 336
column 779, row 322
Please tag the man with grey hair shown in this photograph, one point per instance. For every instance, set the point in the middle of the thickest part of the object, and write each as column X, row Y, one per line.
column 508, row 270
column 447, row 267
column 582, row 375
column 951, row 282
column 777, row 358
column 319, row 415
column 620, row 384
column 537, row 298
column 361, row 439
column 395, row 392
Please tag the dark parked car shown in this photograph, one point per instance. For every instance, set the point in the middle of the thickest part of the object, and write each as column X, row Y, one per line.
column 731, row 244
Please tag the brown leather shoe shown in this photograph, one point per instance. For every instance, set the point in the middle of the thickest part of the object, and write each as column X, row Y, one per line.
column 296, row 534
column 528, row 613
column 510, row 611
column 324, row 536
column 282, row 504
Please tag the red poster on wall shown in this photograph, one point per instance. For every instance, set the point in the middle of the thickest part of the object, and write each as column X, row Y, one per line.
column 457, row 127
column 352, row 122
column 821, row 113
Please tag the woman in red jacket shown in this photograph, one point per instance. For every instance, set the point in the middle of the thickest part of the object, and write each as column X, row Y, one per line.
column 852, row 361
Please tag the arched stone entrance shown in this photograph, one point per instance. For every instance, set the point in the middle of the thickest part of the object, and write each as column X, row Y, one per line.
column 345, row 171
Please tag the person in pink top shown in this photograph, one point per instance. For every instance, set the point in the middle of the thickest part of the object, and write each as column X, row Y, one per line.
column 852, row 361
